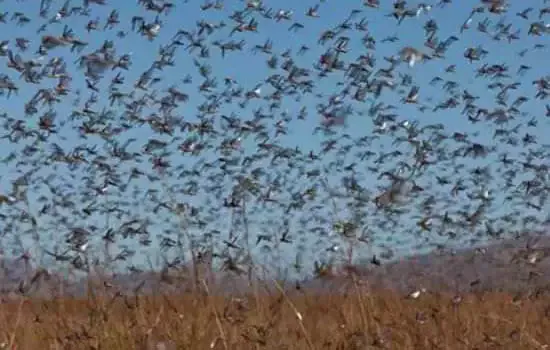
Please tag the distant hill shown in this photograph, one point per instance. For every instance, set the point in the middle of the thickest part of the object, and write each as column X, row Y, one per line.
column 503, row 266
column 514, row 265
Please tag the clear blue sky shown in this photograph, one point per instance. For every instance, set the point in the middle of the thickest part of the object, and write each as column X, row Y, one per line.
column 250, row 69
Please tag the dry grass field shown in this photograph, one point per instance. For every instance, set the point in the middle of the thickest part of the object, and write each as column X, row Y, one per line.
column 472, row 300
column 360, row 319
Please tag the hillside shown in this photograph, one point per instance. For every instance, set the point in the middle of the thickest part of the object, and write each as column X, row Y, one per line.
column 501, row 266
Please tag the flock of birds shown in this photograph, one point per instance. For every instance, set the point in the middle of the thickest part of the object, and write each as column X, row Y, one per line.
column 353, row 144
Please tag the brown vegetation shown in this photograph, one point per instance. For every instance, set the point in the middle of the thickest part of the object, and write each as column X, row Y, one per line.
column 506, row 308
column 361, row 318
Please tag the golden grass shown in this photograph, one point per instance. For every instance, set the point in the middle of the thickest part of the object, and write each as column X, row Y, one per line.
column 357, row 320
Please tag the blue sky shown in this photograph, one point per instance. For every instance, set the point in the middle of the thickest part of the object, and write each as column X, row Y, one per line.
column 250, row 69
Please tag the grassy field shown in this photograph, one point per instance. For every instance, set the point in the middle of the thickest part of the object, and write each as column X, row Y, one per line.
column 361, row 318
